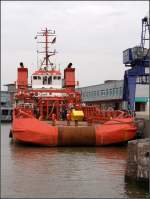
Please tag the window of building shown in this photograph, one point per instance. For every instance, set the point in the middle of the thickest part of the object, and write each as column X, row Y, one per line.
column 35, row 77
column 106, row 92
column 110, row 92
column 55, row 77
column 39, row 77
column 59, row 77
column 4, row 112
column 94, row 93
column 120, row 91
column 113, row 92
column 116, row 91
column 102, row 92
column 140, row 106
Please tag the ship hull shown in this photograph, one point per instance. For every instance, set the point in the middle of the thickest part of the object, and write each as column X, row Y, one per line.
column 33, row 131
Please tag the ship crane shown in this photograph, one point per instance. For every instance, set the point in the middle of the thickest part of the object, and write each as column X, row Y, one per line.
column 138, row 58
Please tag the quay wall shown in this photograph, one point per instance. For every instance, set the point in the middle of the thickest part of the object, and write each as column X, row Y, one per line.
column 137, row 169
column 143, row 127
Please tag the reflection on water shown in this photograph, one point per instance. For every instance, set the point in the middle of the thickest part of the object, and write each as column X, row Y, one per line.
column 44, row 172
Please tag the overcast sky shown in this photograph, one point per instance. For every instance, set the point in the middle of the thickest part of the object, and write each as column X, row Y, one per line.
column 91, row 35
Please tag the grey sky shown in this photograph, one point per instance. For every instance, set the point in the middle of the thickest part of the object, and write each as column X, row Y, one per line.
column 91, row 35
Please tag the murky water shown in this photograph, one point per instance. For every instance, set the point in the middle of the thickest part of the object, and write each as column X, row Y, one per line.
column 44, row 172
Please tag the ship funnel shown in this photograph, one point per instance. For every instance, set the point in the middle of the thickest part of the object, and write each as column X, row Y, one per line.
column 22, row 81
column 69, row 77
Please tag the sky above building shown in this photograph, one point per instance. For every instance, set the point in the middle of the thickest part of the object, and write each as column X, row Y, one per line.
column 91, row 35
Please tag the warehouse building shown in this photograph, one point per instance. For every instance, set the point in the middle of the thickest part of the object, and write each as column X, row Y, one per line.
column 110, row 94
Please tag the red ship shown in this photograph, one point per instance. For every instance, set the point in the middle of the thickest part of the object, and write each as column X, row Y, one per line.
column 50, row 112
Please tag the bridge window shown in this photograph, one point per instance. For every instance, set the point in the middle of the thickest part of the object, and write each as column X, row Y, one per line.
column 50, row 80
column 44, row 80
column 57, row 77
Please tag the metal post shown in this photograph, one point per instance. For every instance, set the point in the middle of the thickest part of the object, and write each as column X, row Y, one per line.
column 46, row 47
column 76, row 122
column 47, row 109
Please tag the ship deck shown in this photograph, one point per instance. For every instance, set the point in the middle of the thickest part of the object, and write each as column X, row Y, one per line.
column 72, row 123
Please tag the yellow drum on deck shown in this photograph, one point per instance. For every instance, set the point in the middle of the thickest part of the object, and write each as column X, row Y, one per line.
column 77, row 115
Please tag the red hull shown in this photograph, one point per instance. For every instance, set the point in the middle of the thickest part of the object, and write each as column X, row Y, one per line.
column 31, row 130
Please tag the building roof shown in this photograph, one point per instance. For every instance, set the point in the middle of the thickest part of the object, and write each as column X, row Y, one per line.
column 10, row 84
column 49, row 72
column 105, row 83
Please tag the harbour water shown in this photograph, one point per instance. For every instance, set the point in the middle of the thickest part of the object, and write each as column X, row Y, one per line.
column 61, row 172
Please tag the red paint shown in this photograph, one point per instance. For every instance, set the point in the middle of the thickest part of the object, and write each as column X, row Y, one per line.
column 22, row 81
column 115, row 131
column 47, row 72
column 31, row 130
column 28, row 129
column 69, row 77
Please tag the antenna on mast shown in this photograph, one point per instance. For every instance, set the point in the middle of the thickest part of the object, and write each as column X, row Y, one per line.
column 46, row 33
column 37, row 59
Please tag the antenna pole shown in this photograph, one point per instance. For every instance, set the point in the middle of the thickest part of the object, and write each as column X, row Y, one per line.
column 37, row 60
column 46, row 48
column 46, row 60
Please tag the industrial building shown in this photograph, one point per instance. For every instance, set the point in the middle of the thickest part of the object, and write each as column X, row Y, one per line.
column 7, row 101
column 110, row 94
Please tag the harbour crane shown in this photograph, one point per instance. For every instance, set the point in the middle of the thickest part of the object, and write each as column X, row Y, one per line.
column 138, row 58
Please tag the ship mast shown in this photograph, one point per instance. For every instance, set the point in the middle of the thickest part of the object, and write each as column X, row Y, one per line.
column 46, row 33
